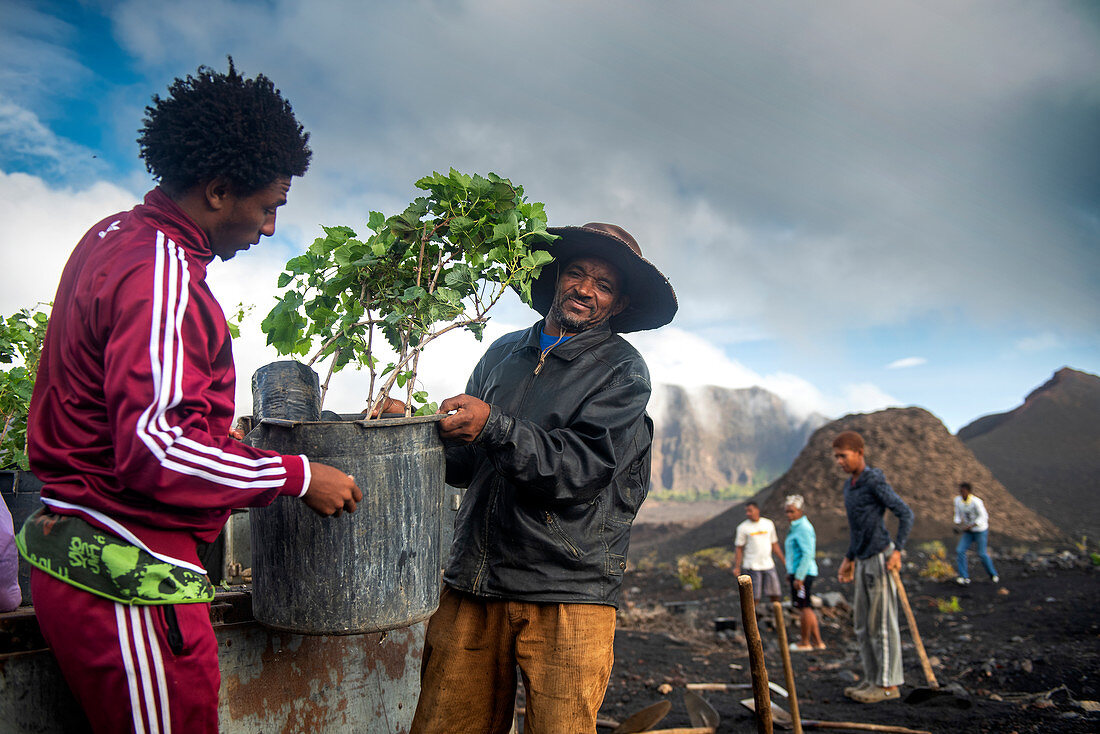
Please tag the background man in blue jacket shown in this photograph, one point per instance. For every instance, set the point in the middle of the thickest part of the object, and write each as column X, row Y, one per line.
column 870, row 557
column 552, row 440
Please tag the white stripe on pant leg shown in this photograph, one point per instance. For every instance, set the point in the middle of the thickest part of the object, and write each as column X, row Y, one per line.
column 138, row 632
column 128, row 666
column 883, row 588
column 158, row 668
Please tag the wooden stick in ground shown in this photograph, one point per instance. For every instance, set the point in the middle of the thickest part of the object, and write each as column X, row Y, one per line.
column 788, row 671
column 928, row 674
column 760, row 692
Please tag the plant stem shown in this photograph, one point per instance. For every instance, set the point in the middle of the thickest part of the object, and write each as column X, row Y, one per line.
column 331, row 369
column 7, row 426
column 412, row 382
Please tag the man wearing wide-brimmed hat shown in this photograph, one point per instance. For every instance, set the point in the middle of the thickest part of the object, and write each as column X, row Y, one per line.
column 553, row 442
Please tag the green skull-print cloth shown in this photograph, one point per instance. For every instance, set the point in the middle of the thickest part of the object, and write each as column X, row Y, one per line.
column 78, row 553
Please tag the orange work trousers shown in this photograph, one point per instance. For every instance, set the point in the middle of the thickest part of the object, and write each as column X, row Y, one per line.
column 471, row 650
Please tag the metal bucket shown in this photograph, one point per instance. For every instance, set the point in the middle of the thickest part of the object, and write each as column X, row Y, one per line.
column 375, row 569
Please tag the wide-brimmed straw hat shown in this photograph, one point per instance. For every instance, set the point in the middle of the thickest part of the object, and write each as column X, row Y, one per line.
column 652, row 300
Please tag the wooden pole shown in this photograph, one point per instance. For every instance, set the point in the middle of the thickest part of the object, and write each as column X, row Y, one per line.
column 760, row 692
column 863, row 727
column 928, row 674
column 788, row 671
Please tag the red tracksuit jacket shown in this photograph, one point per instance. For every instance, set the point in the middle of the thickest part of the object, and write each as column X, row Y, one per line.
column 129, row 420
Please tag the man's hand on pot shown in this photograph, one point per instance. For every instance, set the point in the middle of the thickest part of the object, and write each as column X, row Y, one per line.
column 467, row 420
column 388, row 405
column 331, row 491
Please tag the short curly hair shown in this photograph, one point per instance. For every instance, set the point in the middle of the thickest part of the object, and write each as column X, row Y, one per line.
column 848, row 441
column 222, row 125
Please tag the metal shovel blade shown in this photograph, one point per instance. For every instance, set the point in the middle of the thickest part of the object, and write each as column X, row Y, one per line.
column 952, row 695
column 780, row 717
column 643, row 720
column 700, row 712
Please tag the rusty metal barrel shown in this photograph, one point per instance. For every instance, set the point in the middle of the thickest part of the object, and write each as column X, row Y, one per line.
column 372, row 570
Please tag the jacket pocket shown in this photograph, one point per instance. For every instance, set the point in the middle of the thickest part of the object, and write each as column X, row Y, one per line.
column 560, row 534
column 616, row 564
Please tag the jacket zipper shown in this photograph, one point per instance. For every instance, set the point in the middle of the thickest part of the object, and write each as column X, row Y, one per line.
column 544, row 352
column 556, row 529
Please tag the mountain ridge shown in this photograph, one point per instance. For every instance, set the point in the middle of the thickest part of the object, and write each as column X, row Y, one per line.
column 1046, row 451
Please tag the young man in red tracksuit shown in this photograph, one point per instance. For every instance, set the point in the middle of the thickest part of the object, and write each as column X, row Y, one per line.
column 129, row 423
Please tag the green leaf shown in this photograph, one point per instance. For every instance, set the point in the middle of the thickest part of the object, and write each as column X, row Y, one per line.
column 541, row 257
column 299, row 265
column 448, row 294
column 460, row 225
column 505, row 231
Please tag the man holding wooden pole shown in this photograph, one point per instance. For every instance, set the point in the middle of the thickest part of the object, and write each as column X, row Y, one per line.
column 870, row 558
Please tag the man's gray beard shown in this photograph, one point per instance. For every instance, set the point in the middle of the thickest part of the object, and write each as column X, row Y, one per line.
column 569, row 324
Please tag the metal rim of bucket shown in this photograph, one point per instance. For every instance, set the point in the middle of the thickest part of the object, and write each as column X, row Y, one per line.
column 353, row 418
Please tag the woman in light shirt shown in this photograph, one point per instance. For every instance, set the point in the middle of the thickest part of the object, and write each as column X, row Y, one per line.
column 800, row 549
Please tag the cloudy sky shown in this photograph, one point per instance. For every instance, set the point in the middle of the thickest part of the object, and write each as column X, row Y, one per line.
column 860, row 204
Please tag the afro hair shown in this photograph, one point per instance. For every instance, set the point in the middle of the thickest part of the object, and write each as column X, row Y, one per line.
column 222, row 125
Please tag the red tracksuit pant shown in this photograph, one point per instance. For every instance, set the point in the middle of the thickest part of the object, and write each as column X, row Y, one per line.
column 132, row 668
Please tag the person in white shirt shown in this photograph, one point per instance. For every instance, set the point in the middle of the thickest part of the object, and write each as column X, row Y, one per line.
column 971, row 515
column 754, row 544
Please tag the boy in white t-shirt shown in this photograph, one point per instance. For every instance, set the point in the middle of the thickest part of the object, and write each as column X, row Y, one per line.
column 971, row 514
column 755, row 542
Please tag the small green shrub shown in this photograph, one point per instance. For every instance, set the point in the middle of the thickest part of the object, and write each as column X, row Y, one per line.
column 948, row 606
column 21, row 336
column 687, row 571
column 717, row 557
column 936, row 567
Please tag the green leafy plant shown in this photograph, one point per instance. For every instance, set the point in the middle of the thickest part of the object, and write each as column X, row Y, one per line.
column 687, row 571
column 936, row 567
column 21, row 336
column 236, row 318
column 439, row 265
column 716, row 557
column 948, row 606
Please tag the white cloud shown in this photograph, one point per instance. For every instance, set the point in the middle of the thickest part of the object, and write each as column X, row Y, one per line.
column 39, row 226
column 864, row 397
column 762, row 162
column 1039, row 342
column 905, row 362
column 677, row 357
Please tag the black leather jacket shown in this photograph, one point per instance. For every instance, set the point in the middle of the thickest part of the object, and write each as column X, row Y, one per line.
column 557, row 474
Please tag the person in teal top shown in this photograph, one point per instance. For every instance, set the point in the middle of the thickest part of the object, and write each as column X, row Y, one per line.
column 800, row 549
